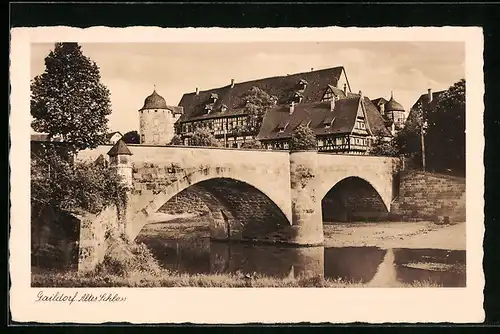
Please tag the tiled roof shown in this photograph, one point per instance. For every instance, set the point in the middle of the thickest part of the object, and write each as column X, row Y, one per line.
column 45, row 137
column 318, row 114
column 120, row 148
column 282, row 87
column 424, row 100
column 379, row 101
column 39, row 137
column 154, row 101
column 111, row 134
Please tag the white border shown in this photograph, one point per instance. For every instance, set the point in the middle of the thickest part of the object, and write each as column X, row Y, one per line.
column 215, row 306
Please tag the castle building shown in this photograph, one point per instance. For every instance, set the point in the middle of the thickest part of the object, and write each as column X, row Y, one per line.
column 156, row 120
column 393, row 112
column 345, row 125
column 223, row 110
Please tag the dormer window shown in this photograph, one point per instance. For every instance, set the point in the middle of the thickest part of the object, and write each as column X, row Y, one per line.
column 297, row 98
column 214, row 97
column 328, row 121
column 282, row 126
column 208, row 108
column 274, row 99
column 223, row 108
column 302, row 84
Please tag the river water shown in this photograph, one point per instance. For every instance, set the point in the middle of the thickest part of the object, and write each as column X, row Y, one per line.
column 189, row 250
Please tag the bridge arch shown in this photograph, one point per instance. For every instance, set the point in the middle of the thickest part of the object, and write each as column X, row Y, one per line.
column 239, row 203
column 353, row 198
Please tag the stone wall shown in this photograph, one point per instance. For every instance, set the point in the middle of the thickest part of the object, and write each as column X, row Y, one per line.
column 96, row 232
column 187, row 201
column 428, row 196
column 54, row 238
column 353, row 199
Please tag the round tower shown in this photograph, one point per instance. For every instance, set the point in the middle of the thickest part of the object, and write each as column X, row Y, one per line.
column 156, row 120
column 395, row 112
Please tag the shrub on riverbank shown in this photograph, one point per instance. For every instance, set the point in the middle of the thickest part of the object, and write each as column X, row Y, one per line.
column 67, row 186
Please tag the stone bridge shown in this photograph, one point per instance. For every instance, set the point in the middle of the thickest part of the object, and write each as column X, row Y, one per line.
column 252, row 195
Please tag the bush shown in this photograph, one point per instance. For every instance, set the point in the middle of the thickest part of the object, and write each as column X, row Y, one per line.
column 202, row 137
column 252, row 144
column 303, row 138
column 176, row 140
column 383, row 147
column 70, row 187
column 124, row 260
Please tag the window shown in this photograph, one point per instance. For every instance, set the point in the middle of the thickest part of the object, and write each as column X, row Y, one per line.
column 285, row 145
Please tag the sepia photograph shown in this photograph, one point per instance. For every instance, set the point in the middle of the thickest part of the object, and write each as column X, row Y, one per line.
column 330, row 164
column 248, row 166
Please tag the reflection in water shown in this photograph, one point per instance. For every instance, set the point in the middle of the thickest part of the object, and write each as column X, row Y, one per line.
column 370, row 265
column 386, row 272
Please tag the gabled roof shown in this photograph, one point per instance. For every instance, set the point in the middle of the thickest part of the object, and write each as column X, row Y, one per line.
column 319, row 113
column 120, row 148
column 283, row 87
column 111, row 134
column 424, row 99
column 379, row 101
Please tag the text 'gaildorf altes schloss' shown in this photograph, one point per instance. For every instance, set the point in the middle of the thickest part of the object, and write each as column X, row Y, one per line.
column 79, row 297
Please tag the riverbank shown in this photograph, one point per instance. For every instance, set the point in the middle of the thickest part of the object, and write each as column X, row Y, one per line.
column 171, row 279
column 383, row 235
column 396, row 235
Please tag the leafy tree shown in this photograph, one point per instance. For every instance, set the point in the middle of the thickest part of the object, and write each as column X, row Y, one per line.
column 383, row 147
column 253, row 143
column 57, row 183
column 257, row 103
column 131, row 137
column 303, row 138
column 203, row 137
column 176, row 140
column 445, row 138
column 69, row 100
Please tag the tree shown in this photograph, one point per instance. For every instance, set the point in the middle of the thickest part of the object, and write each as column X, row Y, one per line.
column 69, row 100
column 257, row 103
column 384, row 147
column 131, row 137
column 176, row 140
column 202, row 137
column 303, row 138
column 253, row 143
column 445, row 139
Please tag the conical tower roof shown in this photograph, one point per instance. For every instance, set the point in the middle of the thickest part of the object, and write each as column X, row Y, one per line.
column 393, row 105
column 120, row 148
column 154, row 101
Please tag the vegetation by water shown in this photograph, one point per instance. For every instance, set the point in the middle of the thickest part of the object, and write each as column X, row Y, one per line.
column 133, row 265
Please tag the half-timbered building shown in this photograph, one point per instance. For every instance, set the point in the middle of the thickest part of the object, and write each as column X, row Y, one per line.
column 223, row 110
column 345, row 125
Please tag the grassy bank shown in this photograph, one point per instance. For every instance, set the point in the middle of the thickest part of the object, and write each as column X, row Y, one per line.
column 171, row 279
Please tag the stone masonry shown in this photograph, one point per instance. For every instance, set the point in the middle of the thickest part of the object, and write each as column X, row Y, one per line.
column 430, row 196
column 252, row 195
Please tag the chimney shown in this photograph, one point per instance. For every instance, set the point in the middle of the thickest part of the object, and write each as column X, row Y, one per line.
column 345, row 89
column 197, row 91
column 312, row 69
column 429, row 94
column 360, row 94
column 292, row 107
column 332, row 104
column 232, row 83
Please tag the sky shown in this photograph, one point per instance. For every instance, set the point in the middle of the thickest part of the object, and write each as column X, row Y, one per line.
column 132, row 70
